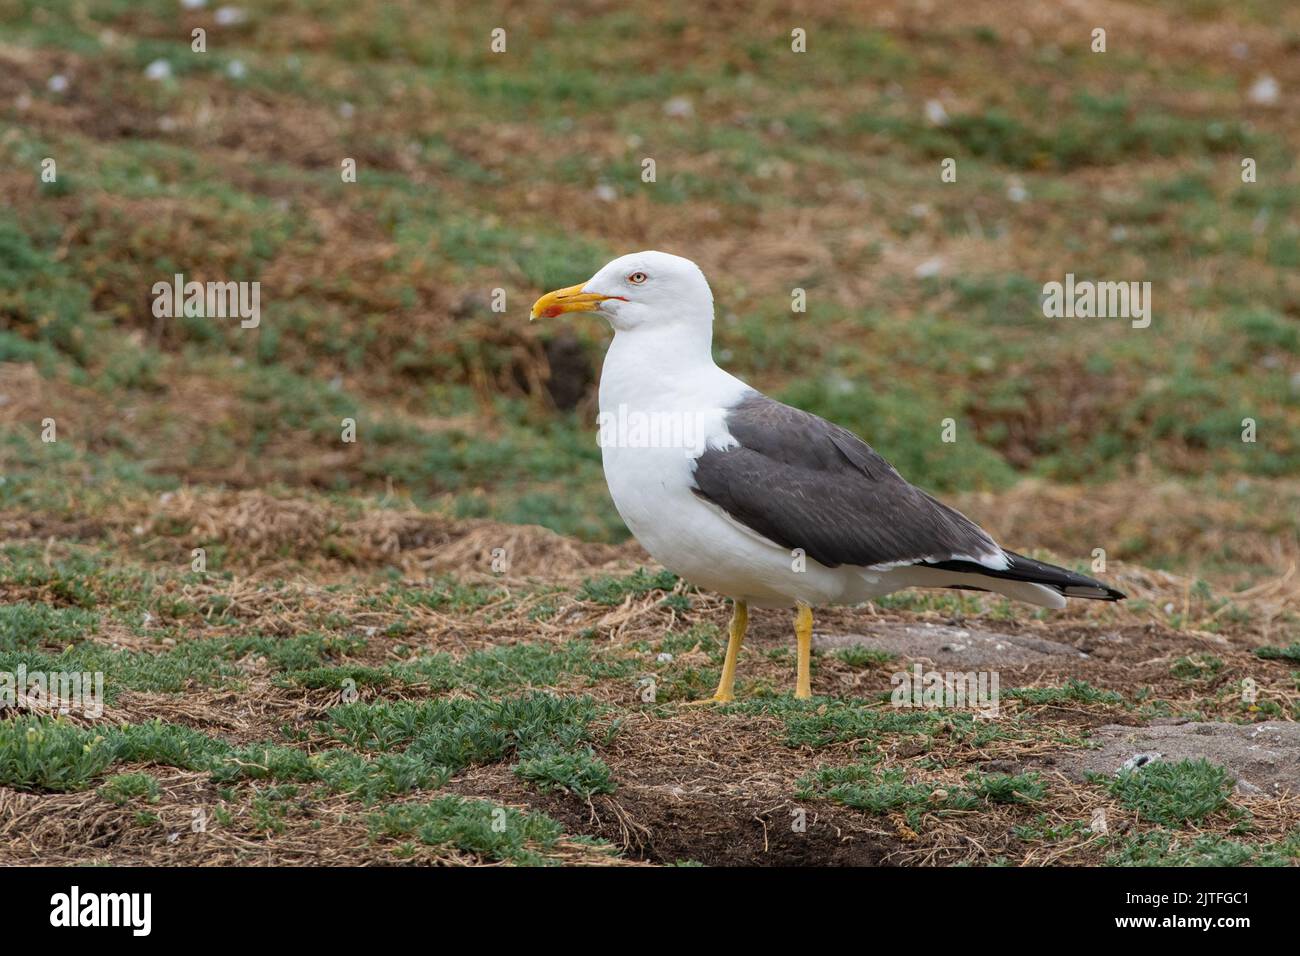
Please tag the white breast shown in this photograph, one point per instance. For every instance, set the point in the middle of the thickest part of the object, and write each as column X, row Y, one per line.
column 654, row 424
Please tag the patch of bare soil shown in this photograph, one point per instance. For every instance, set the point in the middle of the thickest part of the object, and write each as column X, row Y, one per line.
column 671, row 822
column 717, row 830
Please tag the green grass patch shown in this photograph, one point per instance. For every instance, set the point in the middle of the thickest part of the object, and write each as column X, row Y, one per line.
column 123, row 788
column 1172, row 794
column 859, row 656
column 1072, row 691
column 578, row 771
column 1271, row 653
column 611, row 591
column 821, row 722
column 549, row 735
column 1196, row 667
column 37, row 753
column 865, row 786
column 473, row 826
column 1162, row 847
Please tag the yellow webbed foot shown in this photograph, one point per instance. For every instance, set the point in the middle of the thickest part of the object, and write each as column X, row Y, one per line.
column 715, row 699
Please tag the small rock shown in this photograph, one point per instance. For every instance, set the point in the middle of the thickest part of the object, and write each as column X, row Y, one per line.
column 1264, row 91
column 229, row 16
column 158, row 70
column 679, row 107
column 930, row 268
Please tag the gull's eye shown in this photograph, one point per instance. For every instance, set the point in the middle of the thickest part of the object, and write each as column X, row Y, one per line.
column 636, row 278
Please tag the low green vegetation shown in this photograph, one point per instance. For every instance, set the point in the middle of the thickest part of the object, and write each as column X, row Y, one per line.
column 864, row 657
column 1072, row 691
column 51, row 755
column 1196, row 667
column 392, row 749
column 821, row 722
column 613, row 591
column 124, row 788
column 868, row 787
column 1271, row 653
column 1173, row 794
column 473, row 826
column 1162, row 847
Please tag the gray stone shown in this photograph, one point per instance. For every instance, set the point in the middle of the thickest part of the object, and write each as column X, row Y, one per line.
column 1262, row 758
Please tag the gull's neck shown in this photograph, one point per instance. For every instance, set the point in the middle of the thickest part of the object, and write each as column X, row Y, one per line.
column 663, row 367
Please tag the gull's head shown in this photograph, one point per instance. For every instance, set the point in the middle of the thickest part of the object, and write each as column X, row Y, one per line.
column 641, row 290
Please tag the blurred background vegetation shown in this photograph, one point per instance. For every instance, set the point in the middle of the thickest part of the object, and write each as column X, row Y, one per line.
column 775, row 170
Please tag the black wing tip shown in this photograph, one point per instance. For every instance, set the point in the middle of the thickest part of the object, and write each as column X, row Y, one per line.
column 1070, row 584
column 1067, row 583
column 1089, row 592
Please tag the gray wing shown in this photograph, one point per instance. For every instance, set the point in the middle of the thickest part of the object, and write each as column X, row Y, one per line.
column 804, row 482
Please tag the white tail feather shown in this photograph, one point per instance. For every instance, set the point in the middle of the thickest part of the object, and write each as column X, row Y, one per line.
column 1025, row 591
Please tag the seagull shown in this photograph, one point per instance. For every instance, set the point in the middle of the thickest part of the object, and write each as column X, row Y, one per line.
column 761, row 502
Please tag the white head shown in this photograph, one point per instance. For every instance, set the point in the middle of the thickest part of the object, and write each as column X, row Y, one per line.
column 643, row 292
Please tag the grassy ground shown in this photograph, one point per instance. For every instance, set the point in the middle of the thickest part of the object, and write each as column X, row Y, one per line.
column 338, row 569
column 346, row 692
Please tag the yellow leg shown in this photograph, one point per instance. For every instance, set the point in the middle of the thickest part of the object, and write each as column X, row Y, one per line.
column 803, row 625
column 739, row 621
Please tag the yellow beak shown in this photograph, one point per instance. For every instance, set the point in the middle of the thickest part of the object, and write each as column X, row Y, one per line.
column 572, row 299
